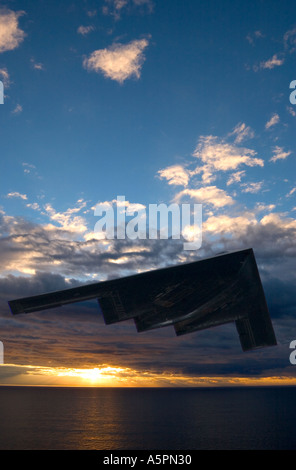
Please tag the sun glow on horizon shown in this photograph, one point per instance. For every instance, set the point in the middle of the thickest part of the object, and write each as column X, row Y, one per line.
column 97, row 375
column 114, row 376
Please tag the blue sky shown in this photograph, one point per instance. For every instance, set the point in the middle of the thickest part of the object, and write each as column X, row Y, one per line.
column 157, row 101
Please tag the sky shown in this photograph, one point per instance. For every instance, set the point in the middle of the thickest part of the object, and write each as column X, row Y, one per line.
column 156, row 102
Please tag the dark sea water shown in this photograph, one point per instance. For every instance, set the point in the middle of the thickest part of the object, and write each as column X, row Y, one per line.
column 144, row 419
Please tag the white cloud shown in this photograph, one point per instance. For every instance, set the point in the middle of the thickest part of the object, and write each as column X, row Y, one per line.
column 66, row 220
column 210, row 195
column 84, row 30
column 272, row 237
column 235, row 225
column 275, row 119
column 4, row 75
column 218, row 155
column 17, row 195
column 242, row 132
column 279, row 154
column 252, row 187
column 35, row 206
column 62, row 248
column 291, row 192
column 259, row 207
column 275, row 61
column 28, row 167
column 37, row 65
column 291, row 111
column 175, row 175
column 279, row 221
column 11, row 35
column 118, row 62
column 236, row 177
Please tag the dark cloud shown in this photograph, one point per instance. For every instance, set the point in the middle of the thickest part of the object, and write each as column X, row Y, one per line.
column 29, row 247
column 281, row 298
column 76, row 336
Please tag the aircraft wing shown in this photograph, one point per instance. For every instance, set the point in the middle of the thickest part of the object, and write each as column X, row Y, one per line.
column 190, row 297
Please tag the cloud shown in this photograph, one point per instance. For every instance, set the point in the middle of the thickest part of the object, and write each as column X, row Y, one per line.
column 279, row 154
column 175, row 175
column 290, row 40
column 279, row 221
column 210, row 195
column 64, row 248
column 28, row 248
column 52, row 258
column 236, row 177
column 67, row 220
column 85, row 30
column 115, row 8
column 242, row 132
column 4, row 75
column 91, row 13
column 34, row 206
column 291, row 111
column 275, row 119
column 251, row 37
column 65, row 244
column 37, row 65
column 118, row 62
column 225, row 224
column 11, row 36
column 28, row 167
column 17, row 110
column 51, row 336
column 252, row 187
column 17, row 195
column 291, row 192
column 275, row 61
column 289, row 46
column 271, row 235
column 148, row 3
column 218, row 155
column 259, row 207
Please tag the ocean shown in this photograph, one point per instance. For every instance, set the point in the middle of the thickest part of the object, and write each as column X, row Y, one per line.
column 46, row 418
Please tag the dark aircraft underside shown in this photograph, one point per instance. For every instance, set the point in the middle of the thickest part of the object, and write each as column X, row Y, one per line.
column 190, row 297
